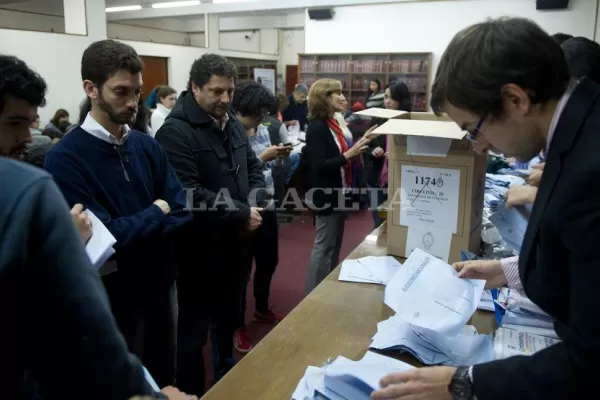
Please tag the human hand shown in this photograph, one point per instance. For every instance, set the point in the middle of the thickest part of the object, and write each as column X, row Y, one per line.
column 175, row 394
column 535, row 177
column 378, row 152
column 82, row 222
column 290, row 123
column 284, row 151
column 539, row 167
column 255, row 220
column 163, row 205
column 269, row 154
column 429, row 383
column 489, row 270
column 387, row 155
column 361, row 145
column 519, row 195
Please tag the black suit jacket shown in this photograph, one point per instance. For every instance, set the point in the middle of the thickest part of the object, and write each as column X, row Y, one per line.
column 560, row 265
column 324, row 161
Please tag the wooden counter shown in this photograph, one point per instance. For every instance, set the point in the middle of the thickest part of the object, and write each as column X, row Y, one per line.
column 337, row 318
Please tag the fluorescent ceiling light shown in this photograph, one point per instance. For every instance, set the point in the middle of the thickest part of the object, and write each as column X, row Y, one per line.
column 230, row 1
column 176, row 4
column 123, row 8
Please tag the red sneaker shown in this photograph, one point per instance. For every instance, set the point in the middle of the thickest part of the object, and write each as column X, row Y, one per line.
column 241, row 342
column 269, row 317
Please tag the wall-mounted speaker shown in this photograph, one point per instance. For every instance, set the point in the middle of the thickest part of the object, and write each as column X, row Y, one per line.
column 552, row 4
column 320, row 13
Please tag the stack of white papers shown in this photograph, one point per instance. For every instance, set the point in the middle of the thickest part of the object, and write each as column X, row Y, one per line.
column 100, row 246
column 523, row 315
column 431, row 348
column 426, row 292
column 508, row 343
column 379, row 270
column 345, row 379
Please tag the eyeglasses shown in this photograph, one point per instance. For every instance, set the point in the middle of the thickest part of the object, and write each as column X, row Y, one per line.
column 472, row 135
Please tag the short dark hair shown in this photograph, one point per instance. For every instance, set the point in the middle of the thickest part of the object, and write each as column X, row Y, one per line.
column 252, row 99
column 583, row 58
column 104, row 58
column 561, row 37
column 485, row 57
column 19, row 81
column 400, row 93
column 209, row 65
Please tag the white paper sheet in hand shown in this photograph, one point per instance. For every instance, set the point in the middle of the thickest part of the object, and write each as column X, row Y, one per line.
column 99, row 247
column 426, row 292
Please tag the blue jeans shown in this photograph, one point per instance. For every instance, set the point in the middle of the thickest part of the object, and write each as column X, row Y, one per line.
column 294, row 163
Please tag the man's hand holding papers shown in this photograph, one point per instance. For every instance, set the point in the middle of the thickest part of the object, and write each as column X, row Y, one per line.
column 487, row 270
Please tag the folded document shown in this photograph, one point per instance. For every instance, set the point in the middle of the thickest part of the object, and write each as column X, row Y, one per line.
column 100, row 246
column 426, row 292
column 370, row 269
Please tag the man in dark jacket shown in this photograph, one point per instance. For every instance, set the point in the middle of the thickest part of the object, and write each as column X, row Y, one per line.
column 209, row 150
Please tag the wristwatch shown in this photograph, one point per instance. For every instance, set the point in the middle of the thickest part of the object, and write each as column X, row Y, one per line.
column 461, row 387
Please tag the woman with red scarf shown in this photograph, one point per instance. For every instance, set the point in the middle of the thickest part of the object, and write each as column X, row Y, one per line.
column 328, row 159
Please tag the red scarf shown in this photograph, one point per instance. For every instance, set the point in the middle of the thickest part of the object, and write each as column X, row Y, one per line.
column 335, row 127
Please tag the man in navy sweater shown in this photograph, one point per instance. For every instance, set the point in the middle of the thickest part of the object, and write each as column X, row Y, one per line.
column 57, row 325
column 125, row 179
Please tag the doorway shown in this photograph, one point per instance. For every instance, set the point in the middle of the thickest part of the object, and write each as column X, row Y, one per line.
column 156, row 73
column 291, row 78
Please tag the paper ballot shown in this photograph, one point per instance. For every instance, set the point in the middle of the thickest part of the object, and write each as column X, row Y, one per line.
column 100, row 246
column 370, row 269
column 465, row 348
column 426, row 292
column 345, row 379
column 508, row 343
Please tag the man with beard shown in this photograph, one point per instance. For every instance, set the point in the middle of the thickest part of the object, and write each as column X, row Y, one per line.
column 208, row 148
column 124, row 178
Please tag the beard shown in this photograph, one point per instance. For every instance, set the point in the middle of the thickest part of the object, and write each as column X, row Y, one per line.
column 16, row 153
column 119, row 118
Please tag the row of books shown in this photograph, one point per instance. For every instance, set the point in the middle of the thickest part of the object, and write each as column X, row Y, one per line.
column 364, row 66
column 408, row 66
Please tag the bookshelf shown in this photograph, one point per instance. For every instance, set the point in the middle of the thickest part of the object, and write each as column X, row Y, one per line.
column 356, row 71
column 245, row 67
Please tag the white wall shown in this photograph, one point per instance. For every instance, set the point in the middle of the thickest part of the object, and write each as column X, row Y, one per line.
column 57, row 57
column 128, row 32
column 291, row 43
column 32, row 21
column 263, row 41
column 429, row 26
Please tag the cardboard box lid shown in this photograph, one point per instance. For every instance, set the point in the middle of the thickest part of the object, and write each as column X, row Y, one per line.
column 433, row 129
column 381, row 113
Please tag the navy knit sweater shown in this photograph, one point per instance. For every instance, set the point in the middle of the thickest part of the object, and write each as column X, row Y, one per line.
column 119, row 185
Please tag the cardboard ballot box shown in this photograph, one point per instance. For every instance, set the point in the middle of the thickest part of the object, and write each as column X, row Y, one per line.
column 435, row 187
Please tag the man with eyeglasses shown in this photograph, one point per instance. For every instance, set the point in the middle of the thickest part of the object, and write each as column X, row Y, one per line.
column 124, row 178
column 506, row 81
column 208, row 147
